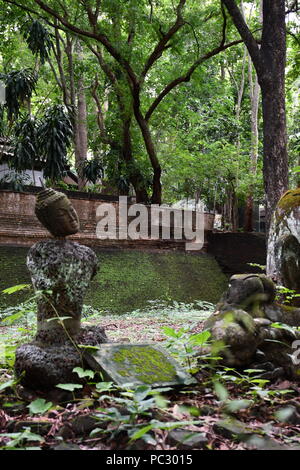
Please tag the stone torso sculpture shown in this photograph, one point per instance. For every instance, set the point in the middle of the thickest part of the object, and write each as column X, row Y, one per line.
column 61, row 271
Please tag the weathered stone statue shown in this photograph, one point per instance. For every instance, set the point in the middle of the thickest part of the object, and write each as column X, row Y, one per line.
column 242, row 323
column 243, row 318
column 61, row 271
column 283, row 259
column 56, row 213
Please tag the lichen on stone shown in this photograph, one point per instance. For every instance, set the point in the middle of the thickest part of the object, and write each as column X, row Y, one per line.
column 146, row 364
column 289, row 201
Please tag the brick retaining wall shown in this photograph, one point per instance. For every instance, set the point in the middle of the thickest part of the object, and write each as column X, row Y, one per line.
column 19, row 225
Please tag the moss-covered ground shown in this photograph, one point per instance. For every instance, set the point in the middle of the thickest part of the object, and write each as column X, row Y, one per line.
column 130, row 280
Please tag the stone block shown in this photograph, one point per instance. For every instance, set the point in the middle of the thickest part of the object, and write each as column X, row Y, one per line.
column 137, row 364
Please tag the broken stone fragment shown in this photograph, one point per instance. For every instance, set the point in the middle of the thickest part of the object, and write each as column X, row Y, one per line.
column 242, row 328
column 187, row 440
column 233, row 429
column 138, row 364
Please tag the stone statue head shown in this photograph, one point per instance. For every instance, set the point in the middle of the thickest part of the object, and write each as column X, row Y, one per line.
column 56, row 213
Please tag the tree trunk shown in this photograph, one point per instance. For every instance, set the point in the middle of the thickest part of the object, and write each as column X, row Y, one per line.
column 254, row 98
column 272, row 82
column 135, row 176
column 80, row 128
column 275, row 156
column 230, row 210
column 125, row 149
column 81, row 138
column 156, row 183
column 269, row 62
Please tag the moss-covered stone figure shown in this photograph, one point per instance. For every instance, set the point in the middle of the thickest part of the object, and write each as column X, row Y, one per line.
column 56, row 213
column 241, row 327
column 61, row 271
column 243, row 318
column 283, row 257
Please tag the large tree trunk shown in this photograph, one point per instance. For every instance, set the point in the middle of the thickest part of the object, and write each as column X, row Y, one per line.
column 150, row 147
column 230, row 209
column 125, row 148
column 254, row 98
column 81, row 139
column 269, row 62
column 135, row 176
column 81, row 133
column 156, row 183
column 272, row 82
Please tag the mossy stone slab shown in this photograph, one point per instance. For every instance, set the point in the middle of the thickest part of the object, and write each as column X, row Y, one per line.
column 138, row 364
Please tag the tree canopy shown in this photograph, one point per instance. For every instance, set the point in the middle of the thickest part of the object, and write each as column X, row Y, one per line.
column 160, row 95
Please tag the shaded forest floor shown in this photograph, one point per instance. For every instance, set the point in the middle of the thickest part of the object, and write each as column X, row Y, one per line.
column 224, row 410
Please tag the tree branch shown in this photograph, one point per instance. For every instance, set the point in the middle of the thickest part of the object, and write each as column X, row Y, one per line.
column 112, row 78
column 224, row 24
column 100, row 119
column 186, row 77
column 58, row 57
column 93, row 35
column 161, row 46
column 58, row 81
column 294, row 36
column 245, row 32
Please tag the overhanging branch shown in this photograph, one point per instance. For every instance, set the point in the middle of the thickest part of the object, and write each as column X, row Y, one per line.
column 245, row 32
column 93, row 35
column 162, row 44
column 187, row 76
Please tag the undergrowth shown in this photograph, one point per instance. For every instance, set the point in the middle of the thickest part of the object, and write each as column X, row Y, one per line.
column 143, row 417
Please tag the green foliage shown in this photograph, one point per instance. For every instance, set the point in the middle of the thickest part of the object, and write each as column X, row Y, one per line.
column 83, row 373
column 39, row 406
column 19, row 86
column 21, row 440
column 93, row 170
column 186, row 347
column 26, row 149
column 259, row 266
column 138, row 403
column 2, row 120
column 13, row 289
column 283, row 326
column 37, row 38
column 24, row 311
column 54, row 135
column 285, row 295
column 104, row 387
column 69, row 387
column 15, row 181
column 8, row 384
column 252, row 383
